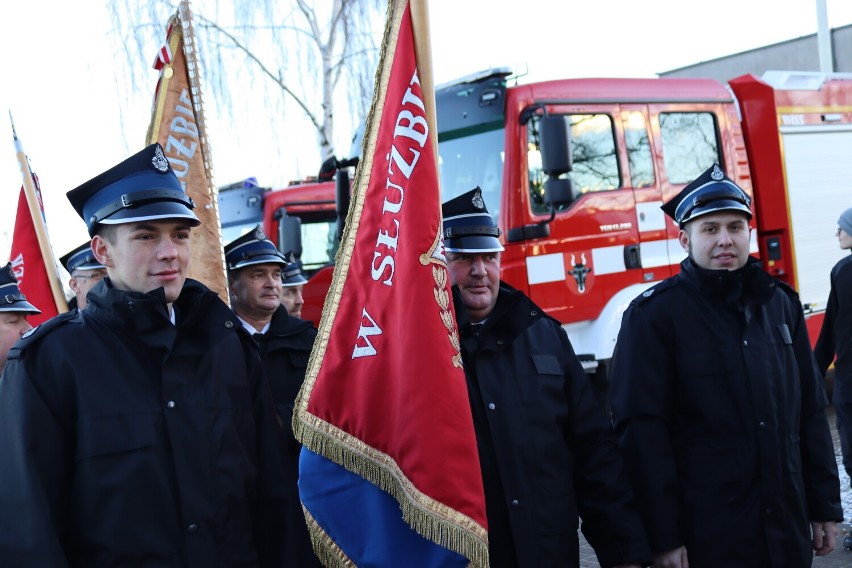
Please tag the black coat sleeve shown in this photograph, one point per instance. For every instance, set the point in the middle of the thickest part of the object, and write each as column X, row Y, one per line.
column 34, row 463
column 824, row 348
column 819, row 467
column 642, row 394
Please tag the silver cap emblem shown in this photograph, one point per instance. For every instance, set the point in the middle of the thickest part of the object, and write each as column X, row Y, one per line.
column 159, row 161
column 717, row 174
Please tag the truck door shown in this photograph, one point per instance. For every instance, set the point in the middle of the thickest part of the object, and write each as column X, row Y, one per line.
column 595, row 247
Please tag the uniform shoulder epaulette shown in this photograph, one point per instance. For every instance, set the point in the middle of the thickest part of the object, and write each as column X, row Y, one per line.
column 655, row 290
column 39, row 332
column 786, row 288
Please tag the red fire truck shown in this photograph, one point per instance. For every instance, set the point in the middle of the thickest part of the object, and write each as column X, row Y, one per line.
column 575, row 171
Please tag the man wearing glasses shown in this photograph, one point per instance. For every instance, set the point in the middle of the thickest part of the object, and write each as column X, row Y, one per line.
column 85, row 271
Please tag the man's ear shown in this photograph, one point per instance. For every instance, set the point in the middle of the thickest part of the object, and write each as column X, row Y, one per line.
column 72, row 283
column 101, row 249
column 683, row 239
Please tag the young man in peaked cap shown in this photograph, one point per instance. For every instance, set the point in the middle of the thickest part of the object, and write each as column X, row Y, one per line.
column 14, row 309
column 160, row 446
column 718, row 404
column 546, row 450
column 85, row 271
column 293, row 285
column 255, row 272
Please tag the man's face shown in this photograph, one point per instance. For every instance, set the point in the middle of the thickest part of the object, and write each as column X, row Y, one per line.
column 844, row 239
column 256, row 290
column 291, row 298
column 717, row 241
column 478, row 277
column 146, row 255
column 12, row 326
column 84, row 280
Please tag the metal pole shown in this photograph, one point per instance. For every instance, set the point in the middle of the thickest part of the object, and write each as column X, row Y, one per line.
column 826, row 59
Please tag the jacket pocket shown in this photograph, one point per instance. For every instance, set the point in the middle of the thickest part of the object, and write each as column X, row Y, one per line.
column 115, row 434
column 546, row 364
column 544, row 382
column 784, row 333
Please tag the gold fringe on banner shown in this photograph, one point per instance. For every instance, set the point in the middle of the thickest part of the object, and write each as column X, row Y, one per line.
column 430, row 518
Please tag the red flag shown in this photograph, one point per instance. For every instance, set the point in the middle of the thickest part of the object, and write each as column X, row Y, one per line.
column 28, row 264
column 385, row 399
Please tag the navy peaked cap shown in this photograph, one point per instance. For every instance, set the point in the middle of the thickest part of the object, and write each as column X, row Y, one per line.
column 11, row 297
column 81, row 258
column 252, row 248
column 468, row 227
column 142, row 187
column 710, row 192
column 291, row 274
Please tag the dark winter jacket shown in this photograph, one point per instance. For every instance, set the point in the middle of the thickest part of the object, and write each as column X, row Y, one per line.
column 835, row 337
column 128, row 441
column 284, row 350
column 546, row 449
column 721, row 415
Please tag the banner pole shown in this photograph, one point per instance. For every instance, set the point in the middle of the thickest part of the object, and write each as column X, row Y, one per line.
column 423, row 49
column 38, row 223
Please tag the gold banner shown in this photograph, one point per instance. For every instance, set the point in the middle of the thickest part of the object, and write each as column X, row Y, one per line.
column 177, row 123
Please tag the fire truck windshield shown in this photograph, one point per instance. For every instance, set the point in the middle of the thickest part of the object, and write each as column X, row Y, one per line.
column 469, row 160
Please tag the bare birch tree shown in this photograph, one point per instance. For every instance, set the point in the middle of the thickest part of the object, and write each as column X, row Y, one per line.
column 314, row 58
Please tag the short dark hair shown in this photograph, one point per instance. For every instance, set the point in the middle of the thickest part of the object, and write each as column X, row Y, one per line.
column 107, row 232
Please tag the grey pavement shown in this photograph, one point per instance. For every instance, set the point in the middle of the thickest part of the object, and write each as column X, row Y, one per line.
column 840, row 558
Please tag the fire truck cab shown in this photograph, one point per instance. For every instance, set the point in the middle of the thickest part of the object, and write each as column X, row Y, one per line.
column 574, row 172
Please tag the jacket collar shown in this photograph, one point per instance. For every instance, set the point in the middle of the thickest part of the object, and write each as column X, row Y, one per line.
column 749, row 283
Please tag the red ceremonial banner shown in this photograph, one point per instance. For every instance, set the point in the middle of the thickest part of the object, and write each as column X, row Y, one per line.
column 28, row 264
column 385, row 395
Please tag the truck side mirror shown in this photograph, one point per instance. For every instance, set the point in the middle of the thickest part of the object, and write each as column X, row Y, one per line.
column 558, row 191
column 556, row 160
column 555, row 132
column 289, row 233
column 342, row 197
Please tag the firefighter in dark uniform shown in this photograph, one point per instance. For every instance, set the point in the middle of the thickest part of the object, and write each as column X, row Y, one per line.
column 546, row 449
column 85, row 272
column 718, row 404
column 140, row 431
column 255, row 272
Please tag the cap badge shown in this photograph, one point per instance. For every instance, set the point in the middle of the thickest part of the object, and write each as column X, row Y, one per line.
column 259, row 234
column 717, row 174
column 477, row 200
column 159, row 161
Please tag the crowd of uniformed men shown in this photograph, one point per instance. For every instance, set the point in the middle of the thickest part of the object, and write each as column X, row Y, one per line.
column 150, row 425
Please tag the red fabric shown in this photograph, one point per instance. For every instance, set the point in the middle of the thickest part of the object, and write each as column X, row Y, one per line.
column 407, row 400
column 28, row 263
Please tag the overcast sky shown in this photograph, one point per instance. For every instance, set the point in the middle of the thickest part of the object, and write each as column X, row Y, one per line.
column 75, row 121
